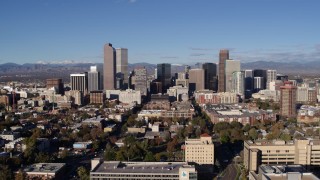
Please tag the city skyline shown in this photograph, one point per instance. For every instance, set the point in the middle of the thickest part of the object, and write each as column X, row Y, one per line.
column 59, row 31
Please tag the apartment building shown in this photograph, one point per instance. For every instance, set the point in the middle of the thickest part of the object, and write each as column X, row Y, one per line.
column 299, row 151
column 200, row 150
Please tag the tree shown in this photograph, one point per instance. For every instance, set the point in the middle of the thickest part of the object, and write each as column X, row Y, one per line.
column 120, row 156
column 171, row 146
column 246, row 128
column 21, row 175
column 253, row 134
column 5, row 172
column 83, row 173
column 221, row 126
column 285, row 137
column 149, row 157
column 236, row 125
column 224, row 138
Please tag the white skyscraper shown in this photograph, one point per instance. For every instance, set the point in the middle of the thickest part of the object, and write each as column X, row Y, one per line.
column 231, row 66
column 238, row 82
column 93, row 79
column 122, row 65
column 271, row 77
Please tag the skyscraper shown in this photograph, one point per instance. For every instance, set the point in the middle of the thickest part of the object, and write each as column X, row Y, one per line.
column 258, row 84
column 139, row 80
column 237, row 85
column 93, row 79
column 57, row 84
column 79, row 82
column 223, row 56
column 196, row 80
column 231, row 66
column 210, row 72
column 271, row 77
column 122, row 66
column 263, row 74
column 164, row 75
column 248, row 76
column 288, row 99
column 109, row 67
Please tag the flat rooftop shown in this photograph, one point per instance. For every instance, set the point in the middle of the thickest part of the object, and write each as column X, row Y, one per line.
column 44, row 168
column 140, row 167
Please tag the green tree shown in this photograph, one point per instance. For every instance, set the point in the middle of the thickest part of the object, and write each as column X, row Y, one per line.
column 83, row 173
column 253, row 134
column 221, row 126
column 149, row 157
column 120, row 156
column 285, row 137
column 224, row 138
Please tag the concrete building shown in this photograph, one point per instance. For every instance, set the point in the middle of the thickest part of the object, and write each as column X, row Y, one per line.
column 206, row 96
column 237, row 84
column 164, row 75
column 75, row 96
column 97, row 97
column 115, row 170
column 282, row 172
column 122, row 66
column 231, row 66
column 267, row 95
column 56, row 83
column 302, row 94
column 288, row 98
column 223, row 56
column 109, row 67
column 263, row 74
column 271, row 77
column 130, row 96
column 45, row 171
column 139, row 80
column 210, row 75
column 303, row 152
column 181, row 79
column 94, row 79
column 196, row 80
column 200, row 151
column 176, row 92
column 79, row 82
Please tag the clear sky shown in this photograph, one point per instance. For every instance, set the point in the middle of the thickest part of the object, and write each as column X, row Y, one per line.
column 154, row 31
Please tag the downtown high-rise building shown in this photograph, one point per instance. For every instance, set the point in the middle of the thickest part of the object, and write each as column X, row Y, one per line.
column 139, row 80
column 79, row 82
column 271, row 77
column 248, row 80
column 288, row 98
column 223, row 56
column 57, row 84
column 210, row 74
column 263, row 74
column 93, row 79
column 109, row 67
column 231, row 66
column 237, row 85
column 164, row 75
column 196, row 80
column 122, row 68
column 258, row 84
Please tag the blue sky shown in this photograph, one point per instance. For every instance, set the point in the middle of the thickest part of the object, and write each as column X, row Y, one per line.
column 172, row 31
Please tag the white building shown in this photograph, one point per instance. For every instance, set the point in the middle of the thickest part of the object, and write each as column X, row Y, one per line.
column 177, row 91
column 237, row 85
column 79, row 82
column 271, row 77
column 129, row 96
column 200, row 150
column 231, row 67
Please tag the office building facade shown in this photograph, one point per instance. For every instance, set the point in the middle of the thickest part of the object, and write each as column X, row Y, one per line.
column 288, row 98
column 109, row 67
column 196, row 80
column 79, row 82
column 93, row 79
column 210, row 74
column 122, row 67
column 231, row 66
column 223, row 56
column 237, row 85
column 164, row 75
column 200, row 151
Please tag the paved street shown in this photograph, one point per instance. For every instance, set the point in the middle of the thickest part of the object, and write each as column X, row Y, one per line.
column 231, row 172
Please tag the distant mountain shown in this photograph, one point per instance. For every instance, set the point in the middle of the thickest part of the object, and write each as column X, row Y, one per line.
column 30, row 72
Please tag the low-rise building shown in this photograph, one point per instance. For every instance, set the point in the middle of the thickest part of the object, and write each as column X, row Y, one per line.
column 229, row 113
column 45, row 171
column 200, row 150
column 282, row 172
column 300, row 151
column 209, row 97
column 9, row 135
column 308, row 114
column 141, row 170
column 82, row 145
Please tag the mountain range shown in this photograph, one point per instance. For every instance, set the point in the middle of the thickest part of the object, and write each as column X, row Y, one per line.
column 10, row 71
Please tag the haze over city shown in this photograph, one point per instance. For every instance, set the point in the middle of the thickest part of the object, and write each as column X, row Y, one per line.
column 47, row 31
